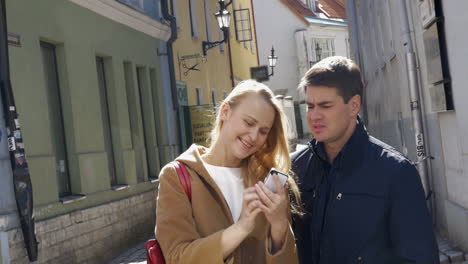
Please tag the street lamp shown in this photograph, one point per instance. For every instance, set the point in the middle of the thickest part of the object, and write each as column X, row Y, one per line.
column 223, row 17
column 318, row 54
column 272, row 60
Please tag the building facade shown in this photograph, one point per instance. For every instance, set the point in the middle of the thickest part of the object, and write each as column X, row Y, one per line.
column 436, row 31
column 205, row 80
column 301, row 26
column 90, row 90
column 243, row 40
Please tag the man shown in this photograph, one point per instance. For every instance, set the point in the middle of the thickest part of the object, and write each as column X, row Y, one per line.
column 364, row 200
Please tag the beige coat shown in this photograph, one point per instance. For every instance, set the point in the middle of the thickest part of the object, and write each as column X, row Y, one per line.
column 191, row 233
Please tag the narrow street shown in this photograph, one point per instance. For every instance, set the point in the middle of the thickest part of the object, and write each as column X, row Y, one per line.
column 134, row 255
column 97, row 97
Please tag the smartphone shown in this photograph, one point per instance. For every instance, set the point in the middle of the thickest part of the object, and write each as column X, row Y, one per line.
column 270, row 183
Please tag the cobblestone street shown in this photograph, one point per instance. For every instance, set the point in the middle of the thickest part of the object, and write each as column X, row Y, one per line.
column 447, row 253
column 134, row 255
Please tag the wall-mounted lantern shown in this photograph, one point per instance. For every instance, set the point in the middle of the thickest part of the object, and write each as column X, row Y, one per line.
column 272, row 61
column 223, row 17
column 318, row 54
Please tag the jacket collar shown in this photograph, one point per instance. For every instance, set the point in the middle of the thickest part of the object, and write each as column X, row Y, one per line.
column 193, row 160
column 351, row 153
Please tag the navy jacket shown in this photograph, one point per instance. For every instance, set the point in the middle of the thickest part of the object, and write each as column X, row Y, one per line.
column 376, row 211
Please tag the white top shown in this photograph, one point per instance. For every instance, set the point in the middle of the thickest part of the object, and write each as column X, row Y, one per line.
column 229, row 181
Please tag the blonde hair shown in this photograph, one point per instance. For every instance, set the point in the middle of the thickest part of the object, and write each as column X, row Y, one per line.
column 275, row 152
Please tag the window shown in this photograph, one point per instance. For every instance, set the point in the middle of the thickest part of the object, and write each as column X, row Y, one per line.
column 214, row 99
column 199, row 96
column 147, row 113
column 312, row 5
column 326, row 44
column 136, row 4
column 221, row 36
column 52, row 84
column 243, row 25
column 208, row 21
column 148, row 7
column 136, row 121
column 193, row 18
column 106, row 123
column 348, row 48
column 175, row 11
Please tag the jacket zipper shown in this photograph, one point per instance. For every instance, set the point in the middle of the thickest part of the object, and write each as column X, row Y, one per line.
column 329, row 207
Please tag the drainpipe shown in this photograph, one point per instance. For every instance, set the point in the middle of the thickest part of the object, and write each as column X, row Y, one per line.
column 231, row 71
column 22, row 184
column 351, row 7
column 170, row 52
column 255, row 31
column 415, row 103
column 170, row 60
column 233, row 83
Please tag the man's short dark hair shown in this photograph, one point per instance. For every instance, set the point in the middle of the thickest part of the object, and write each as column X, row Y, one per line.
column 338, row 72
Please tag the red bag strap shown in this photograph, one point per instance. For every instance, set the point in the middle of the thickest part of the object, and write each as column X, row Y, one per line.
column 184, row 178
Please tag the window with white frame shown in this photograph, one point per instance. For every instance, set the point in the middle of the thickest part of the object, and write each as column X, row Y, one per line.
column 327, row 46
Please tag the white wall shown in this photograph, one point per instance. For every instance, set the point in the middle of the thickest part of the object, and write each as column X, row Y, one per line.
column 454, row 125
column 314, row 31
column 456, row 22
column 275, row 25
column 388, row 103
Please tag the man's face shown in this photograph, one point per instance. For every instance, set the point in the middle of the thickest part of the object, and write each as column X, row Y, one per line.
column 329, row 117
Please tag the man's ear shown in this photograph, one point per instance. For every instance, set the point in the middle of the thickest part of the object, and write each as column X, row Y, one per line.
column 225, row 109
column 355, row 104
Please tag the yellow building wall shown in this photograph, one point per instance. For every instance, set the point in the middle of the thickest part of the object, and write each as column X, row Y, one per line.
column 244, row 54
column 214, row 69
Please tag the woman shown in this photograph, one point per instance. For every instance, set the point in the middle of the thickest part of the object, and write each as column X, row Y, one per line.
column 233, row 217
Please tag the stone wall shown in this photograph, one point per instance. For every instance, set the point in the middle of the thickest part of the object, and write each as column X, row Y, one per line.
column 93, row 235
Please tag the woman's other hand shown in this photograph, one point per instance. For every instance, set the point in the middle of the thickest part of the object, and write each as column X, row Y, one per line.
column 275, row 207
column 236, row 233
column 250, row 210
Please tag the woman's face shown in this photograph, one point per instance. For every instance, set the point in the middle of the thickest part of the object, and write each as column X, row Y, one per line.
column 246, row 126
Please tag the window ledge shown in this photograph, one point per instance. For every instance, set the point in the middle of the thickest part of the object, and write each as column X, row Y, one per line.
column 154, row 180
column 125, row 15
column 120, row 187
column 72, row 198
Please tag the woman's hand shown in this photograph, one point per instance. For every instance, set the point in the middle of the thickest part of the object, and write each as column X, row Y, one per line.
column 275, row 207
column 250, row 210
column 236, row 233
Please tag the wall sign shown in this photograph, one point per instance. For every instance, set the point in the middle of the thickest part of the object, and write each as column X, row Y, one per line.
column 260, row 73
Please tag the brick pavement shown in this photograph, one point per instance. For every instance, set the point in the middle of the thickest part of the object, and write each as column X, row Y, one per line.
column 450, row 253
column 134, row 255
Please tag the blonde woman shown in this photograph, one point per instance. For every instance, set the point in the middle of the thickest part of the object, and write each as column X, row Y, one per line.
column 232, row 218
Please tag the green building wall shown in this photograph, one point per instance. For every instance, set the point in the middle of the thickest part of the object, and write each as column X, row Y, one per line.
column 80, row 36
